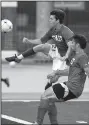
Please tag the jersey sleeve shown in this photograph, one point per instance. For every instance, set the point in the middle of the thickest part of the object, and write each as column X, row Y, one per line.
column 67, row 34
column 84, row 61
column 46, row 37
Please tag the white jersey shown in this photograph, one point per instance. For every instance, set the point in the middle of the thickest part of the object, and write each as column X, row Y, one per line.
column 57, row 63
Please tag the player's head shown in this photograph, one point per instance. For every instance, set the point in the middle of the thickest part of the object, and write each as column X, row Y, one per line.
column 79, row 41
column 57, row 16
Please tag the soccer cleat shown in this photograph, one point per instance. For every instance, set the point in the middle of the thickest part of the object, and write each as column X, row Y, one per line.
column 7, row 82
column 13, row 58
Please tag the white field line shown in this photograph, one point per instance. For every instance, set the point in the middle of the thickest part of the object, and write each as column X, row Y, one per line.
column 20, row 100
column 15, row 119
column 28, row 123
column 6, row 100
column 81, row 122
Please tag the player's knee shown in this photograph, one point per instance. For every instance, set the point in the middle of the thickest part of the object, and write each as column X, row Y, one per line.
column 46, row 47
column 42, row 48
column 43, row 103
column 46, row 94
column 43, row 96
column 38, row 48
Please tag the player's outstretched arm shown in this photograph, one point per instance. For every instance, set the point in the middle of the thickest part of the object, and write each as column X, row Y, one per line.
column 64, row 72
column 35, row 41
column 58, row 73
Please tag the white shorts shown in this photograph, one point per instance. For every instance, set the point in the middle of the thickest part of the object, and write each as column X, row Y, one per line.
column 57, row 63
column 56, row 92
column 66, row 90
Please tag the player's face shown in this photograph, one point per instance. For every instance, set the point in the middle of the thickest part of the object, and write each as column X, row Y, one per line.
column 75, row 45
column 72, row 44
column 52, row 20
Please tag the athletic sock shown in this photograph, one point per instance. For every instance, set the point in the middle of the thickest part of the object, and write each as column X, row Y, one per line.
column 52, row 113
column 20, row 56
column 28, row 52
column 42, row 109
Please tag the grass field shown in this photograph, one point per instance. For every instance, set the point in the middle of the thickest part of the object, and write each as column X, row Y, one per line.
column 72, row 112
column 20, row 100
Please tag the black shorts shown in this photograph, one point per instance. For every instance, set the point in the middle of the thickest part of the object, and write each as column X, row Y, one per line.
column 59, row 91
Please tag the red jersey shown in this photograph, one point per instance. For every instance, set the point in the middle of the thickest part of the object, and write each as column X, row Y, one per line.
column 60, row 36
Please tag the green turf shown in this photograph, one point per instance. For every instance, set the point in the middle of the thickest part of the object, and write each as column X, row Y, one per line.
column 68, row 112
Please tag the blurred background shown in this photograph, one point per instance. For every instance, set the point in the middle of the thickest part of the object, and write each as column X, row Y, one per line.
column 30, row 19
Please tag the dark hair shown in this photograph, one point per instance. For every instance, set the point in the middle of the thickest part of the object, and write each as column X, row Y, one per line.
column 81, row 40
column 59, row 15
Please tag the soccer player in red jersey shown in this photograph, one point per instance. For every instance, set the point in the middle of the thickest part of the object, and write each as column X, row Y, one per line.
column 53, row 43
column 77, row 72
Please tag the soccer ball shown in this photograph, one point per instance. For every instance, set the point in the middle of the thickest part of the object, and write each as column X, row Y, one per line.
column 6, row 26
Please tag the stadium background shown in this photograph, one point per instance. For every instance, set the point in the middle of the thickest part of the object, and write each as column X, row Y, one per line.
column 30, row 19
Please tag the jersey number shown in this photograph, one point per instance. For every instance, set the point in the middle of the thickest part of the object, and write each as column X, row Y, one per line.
column 57, row 38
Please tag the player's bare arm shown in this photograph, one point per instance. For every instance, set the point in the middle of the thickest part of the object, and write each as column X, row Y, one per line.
column 59, row 73
column 54, row 79
column 64, row 72
column 35, row 41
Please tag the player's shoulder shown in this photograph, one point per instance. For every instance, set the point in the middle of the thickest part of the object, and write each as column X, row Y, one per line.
column 67, row 31
column 82, row 56
column 65, row 28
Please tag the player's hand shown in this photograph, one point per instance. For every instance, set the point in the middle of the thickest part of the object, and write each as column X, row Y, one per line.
column 25, row 40
column 49, row 76
column 54, row 79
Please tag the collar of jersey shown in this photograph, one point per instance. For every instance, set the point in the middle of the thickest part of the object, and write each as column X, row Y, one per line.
column 58, row 27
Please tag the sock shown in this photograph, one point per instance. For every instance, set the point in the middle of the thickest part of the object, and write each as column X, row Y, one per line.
column 28, row 52
column 52, row 112
column 42, row 109
column 20, row 56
